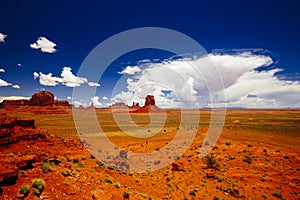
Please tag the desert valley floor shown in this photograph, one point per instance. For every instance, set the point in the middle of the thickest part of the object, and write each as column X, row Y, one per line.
column 256, row 157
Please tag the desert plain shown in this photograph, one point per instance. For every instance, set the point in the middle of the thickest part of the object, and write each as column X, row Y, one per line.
column 257, row 156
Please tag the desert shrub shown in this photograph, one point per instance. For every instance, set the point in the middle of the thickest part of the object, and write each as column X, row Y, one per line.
column 143, row 195
column 75, row 160
column 228, row 143
column 247, row 159
column 216, row 198
column 249, row 145
column 80, row 165
column 46, row 167
column 24, row 189
column 126, row 195
column 65, row 172
column 108, row 180
column 117, row 185
column 264, row 196
column 36, row 192
column 38, row 186
column 102, row 165
column 23, row 174
column 277, row 195
column 11, row 155
column 211, row 162
column 193, row 192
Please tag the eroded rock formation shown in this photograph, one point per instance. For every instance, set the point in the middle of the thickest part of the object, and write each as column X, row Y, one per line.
column 150, row 101
column 149, row 106
column 43, row 98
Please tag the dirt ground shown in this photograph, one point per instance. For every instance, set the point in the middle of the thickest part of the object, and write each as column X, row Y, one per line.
column 256, row 157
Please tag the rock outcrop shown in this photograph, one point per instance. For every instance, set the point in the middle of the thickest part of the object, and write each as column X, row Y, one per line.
column 14, row 103
column 64, row 103
column 150, row 101
column 39, row 99
column 119, row 105
column 9, row 122
column 149, row 106
column 43, row 98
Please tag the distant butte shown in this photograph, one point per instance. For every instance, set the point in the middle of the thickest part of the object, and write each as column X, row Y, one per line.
column 149, row 106
column 40, row 102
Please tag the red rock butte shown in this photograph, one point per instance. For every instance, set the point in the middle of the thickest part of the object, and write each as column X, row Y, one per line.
column 43, row 98
column 149, row 106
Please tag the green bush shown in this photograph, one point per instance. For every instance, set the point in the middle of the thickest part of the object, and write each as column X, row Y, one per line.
column 126, row 195
column 36, row 192
column 247, row 159
column 23, row 174
column 117, row 185
column 211, row 162
column 38, row 186
column 11, row 155
column 277, row 195
column 65, row 172
column 108, row 180
column 24, row 189
column 193, row 192
column 46, row 167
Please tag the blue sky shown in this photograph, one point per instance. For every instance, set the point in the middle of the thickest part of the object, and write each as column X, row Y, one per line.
column 76, row 27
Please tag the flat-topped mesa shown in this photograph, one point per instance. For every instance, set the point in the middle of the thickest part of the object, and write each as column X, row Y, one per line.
column 150, row 100
column 43, row 98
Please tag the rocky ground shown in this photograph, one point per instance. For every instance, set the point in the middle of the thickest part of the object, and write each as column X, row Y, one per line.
column 243, row 165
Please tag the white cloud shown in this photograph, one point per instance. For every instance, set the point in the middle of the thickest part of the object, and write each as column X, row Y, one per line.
column 47, row 79
column 95, row 101
column 2, row 37
column 70, row 80
column 105, row 98
column 93, row 84
column 44, row 45
column 69, row 98
column 16, row 86
column 189, row 78
column 2, row 70
column 79, row 103
column 13, row 98
column 130, row 70
column 67, row 78
column 4, row 83
column 19, row 65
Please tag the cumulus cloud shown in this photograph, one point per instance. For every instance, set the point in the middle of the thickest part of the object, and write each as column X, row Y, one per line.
column 191, row 79
column 16, row 86
column 2, row 37
column 47, row 79
column 79, row 103
column 2, row 70
column 66, row 78
column 130, row 70
column 70, row 80
column 13, row 98
column 105, row 98
column 93, row 84
column 4, row 83
column 95, row 101
column 19, row 65
column 44, row 45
